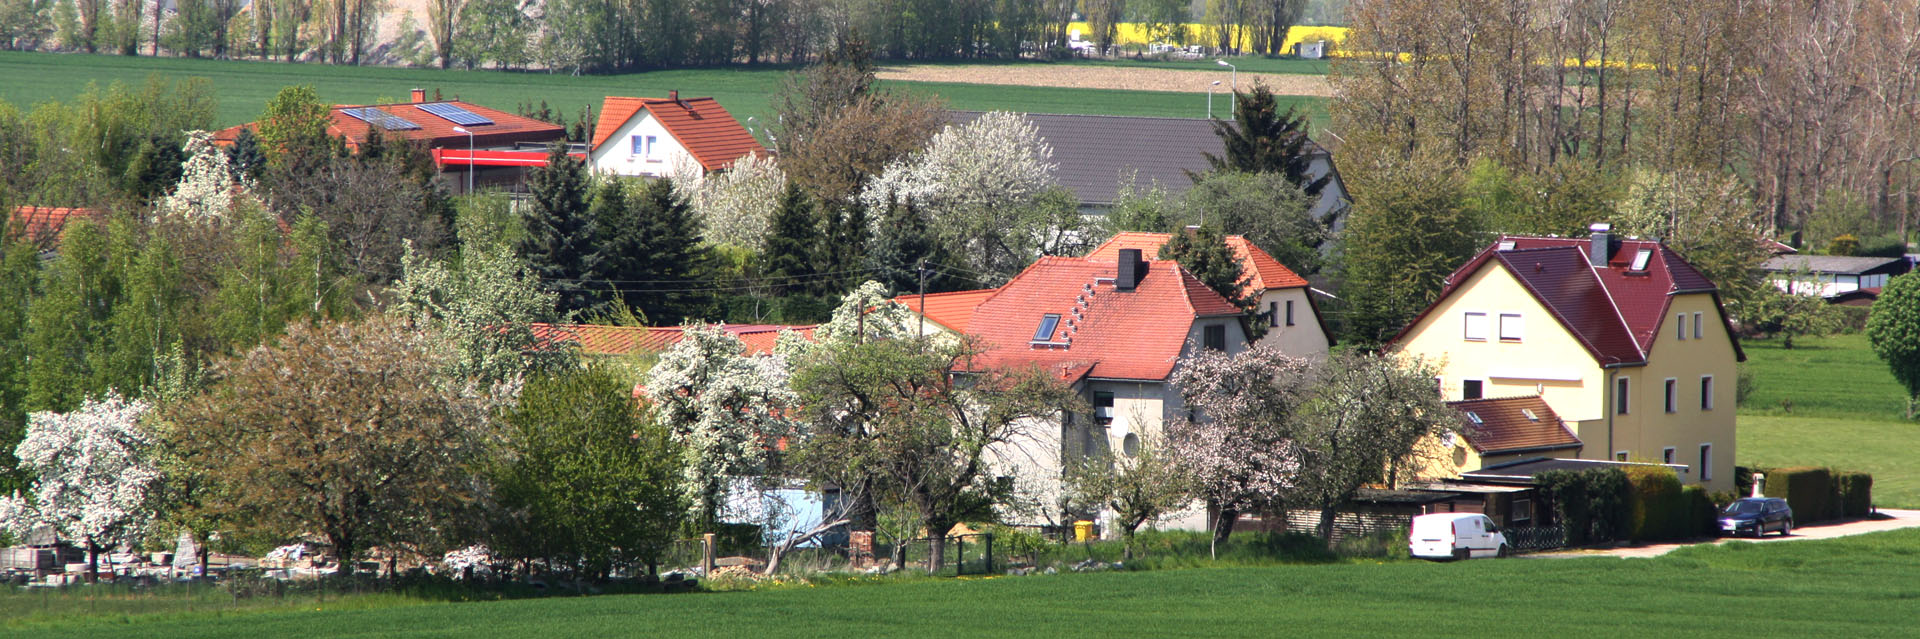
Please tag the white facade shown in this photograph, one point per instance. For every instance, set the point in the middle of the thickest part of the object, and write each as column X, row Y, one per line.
column 640, row 147
column 1293, row 326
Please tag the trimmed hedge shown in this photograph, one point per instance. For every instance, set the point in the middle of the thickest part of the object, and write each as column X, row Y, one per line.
column 1702, row 512
column 1656, row 507
column 1807, row 489
column 1856, row 493
column 1592, row 505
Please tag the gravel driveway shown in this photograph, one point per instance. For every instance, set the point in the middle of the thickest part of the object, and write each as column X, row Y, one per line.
column 1894, row 520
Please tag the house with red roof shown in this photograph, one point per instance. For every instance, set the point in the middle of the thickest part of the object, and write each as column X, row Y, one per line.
column 496, row 146
column 654, row 137
column 1114, row 329
column 1622, row 338
column 1294, row 324
column 45, row 225
column 1498, row 430
column 596, row 339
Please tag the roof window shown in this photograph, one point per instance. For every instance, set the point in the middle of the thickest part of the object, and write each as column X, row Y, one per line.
column 1475, row 418
column 1529, row 413
column 1505, row 245
column 1048, row 322
column 1641, row 258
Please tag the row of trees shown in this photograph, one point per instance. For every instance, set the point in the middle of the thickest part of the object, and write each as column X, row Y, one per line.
column 620, row 35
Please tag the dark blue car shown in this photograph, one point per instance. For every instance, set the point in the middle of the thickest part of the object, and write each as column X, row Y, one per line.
column 1755, row 516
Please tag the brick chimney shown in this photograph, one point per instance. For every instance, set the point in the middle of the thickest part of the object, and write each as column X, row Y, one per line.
column 419, row 95
column 673, row 94
column 1132, row 270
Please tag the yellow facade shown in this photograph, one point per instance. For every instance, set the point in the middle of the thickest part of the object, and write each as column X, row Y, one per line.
column 1542, row 357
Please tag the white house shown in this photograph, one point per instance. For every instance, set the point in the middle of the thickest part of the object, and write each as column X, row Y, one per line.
column 653, row 136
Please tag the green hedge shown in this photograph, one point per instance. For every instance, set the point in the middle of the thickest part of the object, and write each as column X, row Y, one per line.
column 1856, row 493
column 1592, row 505
column 1703, row 512
column 1807, row 489
column 1656, row 507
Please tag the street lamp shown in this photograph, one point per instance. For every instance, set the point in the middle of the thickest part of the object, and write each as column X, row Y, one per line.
column 1210, row 98
column 469, row 157
column 1234, row 76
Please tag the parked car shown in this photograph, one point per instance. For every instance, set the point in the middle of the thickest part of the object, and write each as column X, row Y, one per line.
column 1456, row 536
column 1756, row 516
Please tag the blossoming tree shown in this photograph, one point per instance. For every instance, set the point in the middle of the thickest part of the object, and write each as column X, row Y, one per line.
column 1237, row 442
column 726, row 410
column 93, row 469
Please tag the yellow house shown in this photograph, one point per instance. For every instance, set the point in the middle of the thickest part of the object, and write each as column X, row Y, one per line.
column 1624, row 339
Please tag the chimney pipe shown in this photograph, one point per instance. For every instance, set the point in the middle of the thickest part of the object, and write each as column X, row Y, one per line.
column 1600, row 244
column 419, row 95
column 673, row 94
column 1131, row 270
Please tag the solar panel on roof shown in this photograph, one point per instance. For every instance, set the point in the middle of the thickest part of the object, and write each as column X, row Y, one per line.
column 382, row 119
column 454, row 113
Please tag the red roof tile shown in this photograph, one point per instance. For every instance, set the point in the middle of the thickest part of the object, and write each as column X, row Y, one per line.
column 952, row 310
column 620, row 340
column 48, row 223
column 1136, row 334
column 1264, row 273
column 700, row 125
column 1614, row 311
column 436, row 131
column 1501, row 425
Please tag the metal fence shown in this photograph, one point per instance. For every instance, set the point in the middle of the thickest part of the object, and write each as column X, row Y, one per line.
column 1537, row 537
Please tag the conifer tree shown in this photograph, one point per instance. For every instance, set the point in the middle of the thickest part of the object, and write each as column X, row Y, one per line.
column 561, row 234
column 1262, row 139
column 791, row 259
column 900, row 244
column 677, row 264
column 1204, row 253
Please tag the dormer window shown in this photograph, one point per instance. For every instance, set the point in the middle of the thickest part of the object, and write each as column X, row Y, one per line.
column 1640, row 260
column 1048, row 323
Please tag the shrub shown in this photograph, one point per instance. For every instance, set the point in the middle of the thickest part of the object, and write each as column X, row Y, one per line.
column 1808, row 490
column 1853, row 319
column 1743, row 385
column 1856, row 493
column 1702, row 511
column 1742, row 481
column 1655, row 506
column 1592, row 505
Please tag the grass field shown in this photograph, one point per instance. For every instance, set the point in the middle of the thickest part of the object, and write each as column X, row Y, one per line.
column 243, row 87
column 1846, row 587
column 1830, row 401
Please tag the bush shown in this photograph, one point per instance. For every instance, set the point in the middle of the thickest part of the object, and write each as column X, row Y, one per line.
column 1591, row 505
column 1656, row 507
column 1702, row 514
column 1853, row 319
column 1856, row 494
column 1808, row 490
column 1742, row 481
column 1743, row 386
column 1380, row 544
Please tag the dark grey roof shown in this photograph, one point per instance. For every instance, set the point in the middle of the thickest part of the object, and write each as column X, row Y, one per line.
column 1095, row 153
column 1836, row 264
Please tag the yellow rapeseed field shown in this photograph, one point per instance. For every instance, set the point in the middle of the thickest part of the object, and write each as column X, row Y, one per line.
column 1135, row 33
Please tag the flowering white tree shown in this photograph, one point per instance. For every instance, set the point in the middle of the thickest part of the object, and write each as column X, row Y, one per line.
column 483, row 308
column 1366, row 420
column 1237, row 447
column 725, row 408
column 736, row 205
column 92, row 468
column 206, row 190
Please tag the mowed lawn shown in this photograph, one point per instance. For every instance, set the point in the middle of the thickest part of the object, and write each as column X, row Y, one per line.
column 243, row 87
column 1849, row 587
column 1830, row 402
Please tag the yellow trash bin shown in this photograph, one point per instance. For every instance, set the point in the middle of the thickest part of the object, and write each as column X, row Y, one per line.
column 1082, row 530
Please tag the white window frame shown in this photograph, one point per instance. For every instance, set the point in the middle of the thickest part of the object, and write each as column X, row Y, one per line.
column 1672, row 387
column 653, row 148
column 1706, row 461
column 1706, row 392
column 1466, row 326
column 1519, row 327
column 1622, row 396
column 639, row 146
column 1696, row 324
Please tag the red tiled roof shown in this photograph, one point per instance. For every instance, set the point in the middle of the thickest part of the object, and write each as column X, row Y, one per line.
column 700, row 125
column 952, row 310
column 1504, row 426
column 1264, row 273
column 620, row 340
column 48, row 223
column 1614, row 311
column 437, row 131
column 1136, row 334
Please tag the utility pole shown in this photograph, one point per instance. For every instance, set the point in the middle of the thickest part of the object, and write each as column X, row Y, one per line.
column 922, row 269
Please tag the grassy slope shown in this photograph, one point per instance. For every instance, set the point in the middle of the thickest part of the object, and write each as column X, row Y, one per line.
column 1830, row 402
column 1847, row 587
column 243, row 87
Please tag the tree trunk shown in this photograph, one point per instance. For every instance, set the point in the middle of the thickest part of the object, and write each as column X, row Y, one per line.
column 93, row 561
column 936, row 553
column 1223, row 521
column 1327, row 514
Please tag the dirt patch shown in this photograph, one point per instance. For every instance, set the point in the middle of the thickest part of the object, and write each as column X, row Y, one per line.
column 1088, row 77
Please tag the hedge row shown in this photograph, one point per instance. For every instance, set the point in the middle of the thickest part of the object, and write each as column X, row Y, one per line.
column 1816, row 494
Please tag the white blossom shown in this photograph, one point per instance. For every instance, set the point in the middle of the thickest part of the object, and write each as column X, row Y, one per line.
column 737, row 205
column 726, row 408
column 206, row 190
column 997, row 159
column 92, row 471
column 484, row 309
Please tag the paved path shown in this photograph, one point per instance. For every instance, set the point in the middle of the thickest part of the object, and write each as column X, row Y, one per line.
column 1895, row 519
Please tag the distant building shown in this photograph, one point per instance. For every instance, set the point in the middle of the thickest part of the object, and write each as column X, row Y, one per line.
column 45, row 225
column 654, row 137
column 1839, row 279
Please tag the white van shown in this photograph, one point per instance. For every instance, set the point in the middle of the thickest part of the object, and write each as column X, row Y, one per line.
column 1456, row 536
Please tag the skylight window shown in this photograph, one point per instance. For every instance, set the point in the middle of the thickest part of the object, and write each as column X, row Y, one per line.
column 1506, row 245
column 1048, row 322
column 1475, row 418
column 1529, row 413
column 1641, row 258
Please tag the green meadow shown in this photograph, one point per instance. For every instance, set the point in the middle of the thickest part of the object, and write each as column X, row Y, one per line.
column 1829, row 401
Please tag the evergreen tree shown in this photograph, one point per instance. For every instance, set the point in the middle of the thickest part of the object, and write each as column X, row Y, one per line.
column 900, row 244
column 245, row 157
column 791, row 259
column 847, row 238
column 1204, row 253
column 1261, row 139
column 616, row 217
column 561, row 235
column 677, row 263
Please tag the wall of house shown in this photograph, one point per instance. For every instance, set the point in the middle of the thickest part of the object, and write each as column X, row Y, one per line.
column 616, row 154
column 1648, row 429
column 1546, row 360
column 1304, row 338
